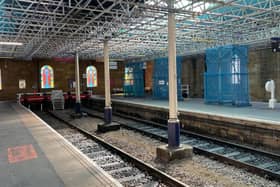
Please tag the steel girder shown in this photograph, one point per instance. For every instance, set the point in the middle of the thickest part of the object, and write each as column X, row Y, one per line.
column 137, row 29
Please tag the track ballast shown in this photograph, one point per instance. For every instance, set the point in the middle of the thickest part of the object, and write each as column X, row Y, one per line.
column 128, row 170
column 256, row 161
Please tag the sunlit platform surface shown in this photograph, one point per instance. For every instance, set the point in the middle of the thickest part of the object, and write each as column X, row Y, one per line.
column 32, row 154
column 258, row 111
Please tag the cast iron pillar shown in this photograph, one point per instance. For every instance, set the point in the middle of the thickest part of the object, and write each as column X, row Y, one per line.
column 77, row 88
column 108, row 125
column 173, row 150
column 108, row 108
column 173, row 122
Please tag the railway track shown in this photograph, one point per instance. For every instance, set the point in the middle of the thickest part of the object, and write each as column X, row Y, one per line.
column 256, row 161
column 128, row 170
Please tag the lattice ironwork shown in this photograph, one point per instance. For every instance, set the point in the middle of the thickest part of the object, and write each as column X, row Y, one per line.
column 137, row 29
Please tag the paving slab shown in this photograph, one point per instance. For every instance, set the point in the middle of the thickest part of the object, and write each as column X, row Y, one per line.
column 33, row 154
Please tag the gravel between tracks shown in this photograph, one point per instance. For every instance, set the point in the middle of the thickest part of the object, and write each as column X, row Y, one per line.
column 200, row 171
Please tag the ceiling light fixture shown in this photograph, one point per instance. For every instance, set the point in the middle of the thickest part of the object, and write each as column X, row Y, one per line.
column 6, row 57
column 11, row 43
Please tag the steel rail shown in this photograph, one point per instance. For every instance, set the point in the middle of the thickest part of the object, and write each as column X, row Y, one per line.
column 157, row 174
column 240, row 159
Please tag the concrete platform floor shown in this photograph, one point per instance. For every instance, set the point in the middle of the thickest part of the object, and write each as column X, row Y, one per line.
column 259, row 111
column 32, row 154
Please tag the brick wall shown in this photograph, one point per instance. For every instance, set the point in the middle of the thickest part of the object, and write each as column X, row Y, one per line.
column 13, row 71
column 149, row 74
column 192, row 74
column 263, row 65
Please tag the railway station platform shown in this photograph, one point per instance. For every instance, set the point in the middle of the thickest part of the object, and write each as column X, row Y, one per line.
column 33, row 154
column 258, row 111
column 253, row 125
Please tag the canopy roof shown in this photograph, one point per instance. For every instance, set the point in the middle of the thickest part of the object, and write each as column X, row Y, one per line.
column 135, row 28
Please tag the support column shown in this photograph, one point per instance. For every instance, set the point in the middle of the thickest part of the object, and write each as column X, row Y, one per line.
column 77, row 88
column 108, row 108
column 108, row 125
column 173, row 150
column 173, row 122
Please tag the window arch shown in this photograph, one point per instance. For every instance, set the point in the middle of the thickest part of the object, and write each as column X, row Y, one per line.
column 47, row 80
column 91, row 73
column 235, row 70
column 128, row 76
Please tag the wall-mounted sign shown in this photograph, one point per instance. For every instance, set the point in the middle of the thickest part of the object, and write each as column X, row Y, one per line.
column 113, row 65
column 161, row 82
column 22, row 84
column 144, row 65
column 71, row 83
column 74, row 84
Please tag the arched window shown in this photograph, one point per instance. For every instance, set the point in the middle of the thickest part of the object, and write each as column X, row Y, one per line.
column 91, row 76
column 235, row 70
column 128, row 76
column 47, row 77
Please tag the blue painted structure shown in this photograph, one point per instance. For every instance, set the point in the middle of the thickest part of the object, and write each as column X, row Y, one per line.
column 173, row 134
column 226, row 79
column 134, row 80
column 160, row 78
